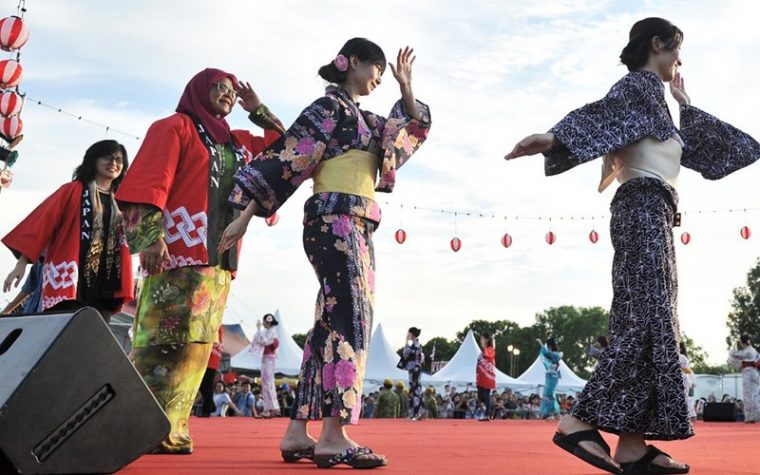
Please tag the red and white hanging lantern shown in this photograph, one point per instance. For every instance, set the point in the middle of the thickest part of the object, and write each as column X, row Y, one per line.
column 745, row 232
column 272, row 220
column 400, row 236
column 593, row 236
column 506, row 240
column 10, row 103
column 456, row 244
column 12, row 127
column 10, row 73
column 13, row 33
column 685, row 238
column 551, row 238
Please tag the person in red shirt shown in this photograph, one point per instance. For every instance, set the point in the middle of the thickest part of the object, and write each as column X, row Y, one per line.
column 485, row 373
column 79, row 231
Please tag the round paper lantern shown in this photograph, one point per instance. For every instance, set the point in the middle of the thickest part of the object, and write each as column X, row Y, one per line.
column 551, row 238
column 10, row 104
column 456, row 244
column 746, row 232
column 10, row 73
column 506, row 240
column 685, row 238
column 13, row 33
column 593, row 236
column 400, row 236
column 272, row 220
column 12, row 127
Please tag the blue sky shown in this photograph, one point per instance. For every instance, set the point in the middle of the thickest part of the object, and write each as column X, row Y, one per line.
column 492, row 73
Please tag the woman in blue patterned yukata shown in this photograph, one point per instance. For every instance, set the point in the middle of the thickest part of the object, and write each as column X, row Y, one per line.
column 636, row 390
column 550, row 357
column 341, row 147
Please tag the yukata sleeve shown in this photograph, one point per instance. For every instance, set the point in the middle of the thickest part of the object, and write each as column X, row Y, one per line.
column 275, row 174
column 598, row 128
column 402, row 136
column 712, row 147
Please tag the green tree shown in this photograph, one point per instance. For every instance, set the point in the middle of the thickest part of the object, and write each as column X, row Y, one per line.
column 744, row 317
column 444, row 349
column 480, row 327
column 697, row 355
column 522, row 339
column 300, row 339
column 575, row 329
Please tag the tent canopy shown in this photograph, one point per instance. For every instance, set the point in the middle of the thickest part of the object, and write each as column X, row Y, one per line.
column 461, row 368
column 382, row 360
column 536, row 376
column 234, row 338
column 289, row 354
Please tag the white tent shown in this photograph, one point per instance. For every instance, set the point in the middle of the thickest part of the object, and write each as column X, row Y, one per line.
column 382, row 360
column 536, row 376
column 460, row 369
column 289, row 354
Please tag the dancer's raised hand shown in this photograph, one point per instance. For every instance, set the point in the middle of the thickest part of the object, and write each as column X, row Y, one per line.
column 247, row 97
column 531, row 145
column 403, row 69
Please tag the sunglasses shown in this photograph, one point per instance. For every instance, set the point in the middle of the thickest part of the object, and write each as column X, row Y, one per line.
column 225, row 89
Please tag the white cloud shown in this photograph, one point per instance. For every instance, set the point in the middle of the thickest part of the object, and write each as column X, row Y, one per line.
column 492, row 73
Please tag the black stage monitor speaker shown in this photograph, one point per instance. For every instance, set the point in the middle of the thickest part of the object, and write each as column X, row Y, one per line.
column 70, row 400
column 719, row 412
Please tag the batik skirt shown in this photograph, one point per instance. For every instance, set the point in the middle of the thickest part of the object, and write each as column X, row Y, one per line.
column 637, row 385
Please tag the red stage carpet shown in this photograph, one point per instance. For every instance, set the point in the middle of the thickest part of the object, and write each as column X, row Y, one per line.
column 249, row 446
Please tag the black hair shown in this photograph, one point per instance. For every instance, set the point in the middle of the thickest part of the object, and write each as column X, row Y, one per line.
column 488, row 337
column 636, row 53
column 415, row 331
column 274, row 320
column 744, row 339
column 682, row 347
column 603, row 341
column 364, row 50
column 552, row 344
column 87, row 170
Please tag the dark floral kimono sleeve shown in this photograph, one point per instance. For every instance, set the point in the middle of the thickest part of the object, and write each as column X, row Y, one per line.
column 633, row 109
column 143, row 225
column 714, row 148
column 276, row 173
column 402, row 136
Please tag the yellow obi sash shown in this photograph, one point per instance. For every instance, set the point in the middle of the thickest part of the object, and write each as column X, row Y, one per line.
column 353, row 173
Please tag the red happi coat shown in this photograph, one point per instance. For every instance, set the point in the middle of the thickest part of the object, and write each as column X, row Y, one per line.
column 171, row 172
column 54, row 228
column 486, row 370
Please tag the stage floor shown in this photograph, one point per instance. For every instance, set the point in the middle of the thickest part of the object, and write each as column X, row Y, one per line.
column 249, row 446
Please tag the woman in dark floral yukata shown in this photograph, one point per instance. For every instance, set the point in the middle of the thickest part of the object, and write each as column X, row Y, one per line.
column 342, row 148
column 636, row 390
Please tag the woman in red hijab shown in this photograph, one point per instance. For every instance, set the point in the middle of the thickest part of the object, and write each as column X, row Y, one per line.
column 175, row 206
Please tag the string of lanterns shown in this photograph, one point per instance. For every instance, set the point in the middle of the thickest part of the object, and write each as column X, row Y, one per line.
column 13, row 36
column 506, row 240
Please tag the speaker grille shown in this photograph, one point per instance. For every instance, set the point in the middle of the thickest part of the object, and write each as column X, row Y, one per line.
column 57, row 437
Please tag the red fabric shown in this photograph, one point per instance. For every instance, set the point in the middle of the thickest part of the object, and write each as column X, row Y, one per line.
column 55, row 225
column 195, row 102
column 241, row 446
column 215, row 359
column 171, row 172
column 271, row 349
column 229, row 378
column 486, row 369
